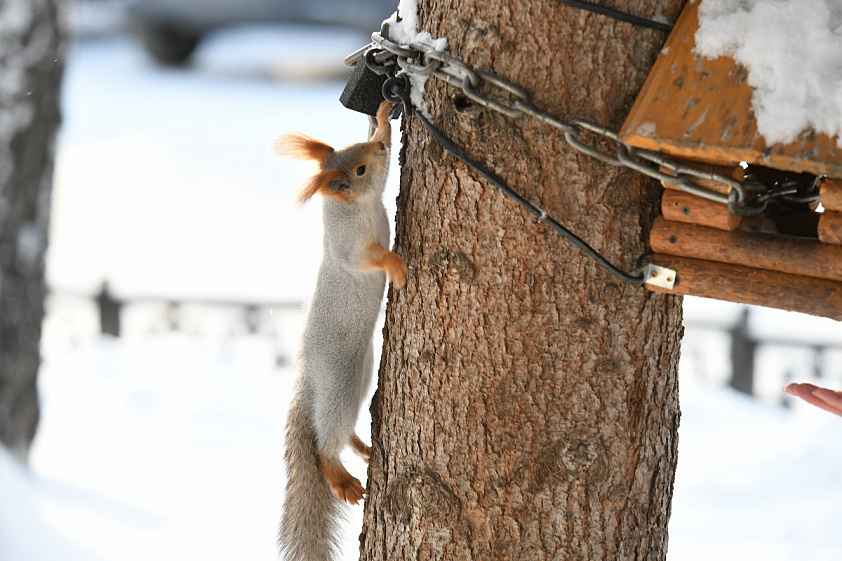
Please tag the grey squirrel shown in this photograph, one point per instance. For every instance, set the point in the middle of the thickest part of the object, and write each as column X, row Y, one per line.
column 336, row 354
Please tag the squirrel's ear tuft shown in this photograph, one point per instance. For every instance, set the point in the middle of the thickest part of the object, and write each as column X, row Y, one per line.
column 321, row 183
column 302, row 147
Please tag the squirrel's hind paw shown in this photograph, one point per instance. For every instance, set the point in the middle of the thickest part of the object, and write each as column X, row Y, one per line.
column 345, row 486
column 352, row 491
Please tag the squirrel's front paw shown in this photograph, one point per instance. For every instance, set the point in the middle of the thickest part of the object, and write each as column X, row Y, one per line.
column 382, row 258
column 397, row 272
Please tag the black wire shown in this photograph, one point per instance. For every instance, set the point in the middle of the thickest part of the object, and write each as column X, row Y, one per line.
column 397, row 90
column 618, row 15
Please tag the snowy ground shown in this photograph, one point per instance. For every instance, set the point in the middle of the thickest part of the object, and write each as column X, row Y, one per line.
column 167, row 445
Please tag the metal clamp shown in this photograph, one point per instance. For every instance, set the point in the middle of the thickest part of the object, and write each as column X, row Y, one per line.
column 661, row 277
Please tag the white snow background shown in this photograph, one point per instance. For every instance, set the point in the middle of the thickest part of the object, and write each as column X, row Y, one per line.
column 167, row 444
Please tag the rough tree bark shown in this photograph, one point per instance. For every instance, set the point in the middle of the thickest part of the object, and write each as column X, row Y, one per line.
column 527, row 405
column 31, row 45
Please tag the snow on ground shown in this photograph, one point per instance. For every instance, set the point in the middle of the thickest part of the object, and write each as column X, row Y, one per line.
column 167, row 445
column 754, row 481
column 164, row 448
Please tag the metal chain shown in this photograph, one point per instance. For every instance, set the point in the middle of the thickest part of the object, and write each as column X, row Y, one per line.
column 745, row 198
column 396, row 89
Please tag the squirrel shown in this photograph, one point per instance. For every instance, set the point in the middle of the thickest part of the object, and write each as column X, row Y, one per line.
column 335, row 358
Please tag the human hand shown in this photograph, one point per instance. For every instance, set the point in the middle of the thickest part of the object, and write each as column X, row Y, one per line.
column 829, row 400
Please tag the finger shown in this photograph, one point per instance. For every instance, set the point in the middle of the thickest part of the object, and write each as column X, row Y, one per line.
column 802, row 390
column 817, row 396
column 832, row 399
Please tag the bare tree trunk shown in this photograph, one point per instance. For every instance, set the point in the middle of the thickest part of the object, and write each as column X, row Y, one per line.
column 31, row 58
column 527, row 405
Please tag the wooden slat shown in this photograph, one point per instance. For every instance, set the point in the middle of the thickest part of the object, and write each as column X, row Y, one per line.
column 831, row 194
column 800, row 256
column 701, row 109
column 732, row 171
column 736, row 283
column 830, row 227
column 678, row 206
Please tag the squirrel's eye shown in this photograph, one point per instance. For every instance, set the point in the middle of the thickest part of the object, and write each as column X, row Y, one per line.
column 361, row 170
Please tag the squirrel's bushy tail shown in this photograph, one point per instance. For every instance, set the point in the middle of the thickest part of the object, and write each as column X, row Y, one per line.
column 311, row 514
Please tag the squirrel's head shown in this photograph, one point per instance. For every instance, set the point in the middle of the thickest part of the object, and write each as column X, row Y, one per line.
column 343, row 174
column 348, row 173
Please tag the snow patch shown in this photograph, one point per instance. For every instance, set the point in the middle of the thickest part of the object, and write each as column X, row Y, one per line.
column 791, row 50
column 403, row 29
column 25, row 535
column 646, row 129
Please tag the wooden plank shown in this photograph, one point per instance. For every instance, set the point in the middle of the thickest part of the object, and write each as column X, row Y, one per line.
column 679, row 206
column 830, row 194
column 799, row 256
column 830, row 227
column 701, row 109
column 736, row 283
column 732, row 171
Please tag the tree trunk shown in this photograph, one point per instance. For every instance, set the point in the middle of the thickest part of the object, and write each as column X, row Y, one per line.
column 31, row 44
column 527, row 405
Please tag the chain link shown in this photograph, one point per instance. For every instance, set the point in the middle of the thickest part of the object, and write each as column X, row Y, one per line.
column 745, row 198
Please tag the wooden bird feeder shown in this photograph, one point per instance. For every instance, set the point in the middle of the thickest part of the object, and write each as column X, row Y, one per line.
column 699, row 111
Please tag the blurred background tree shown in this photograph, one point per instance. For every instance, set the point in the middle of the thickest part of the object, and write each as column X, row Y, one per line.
column 31, row 63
